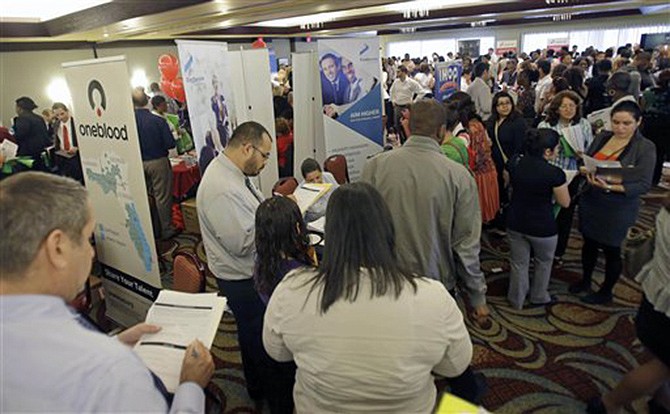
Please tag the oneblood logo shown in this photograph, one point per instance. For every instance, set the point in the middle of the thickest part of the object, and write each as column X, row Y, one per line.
column 94, row 86
column 97, row 99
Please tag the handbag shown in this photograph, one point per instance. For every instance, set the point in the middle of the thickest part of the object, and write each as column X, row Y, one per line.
column 638, row 249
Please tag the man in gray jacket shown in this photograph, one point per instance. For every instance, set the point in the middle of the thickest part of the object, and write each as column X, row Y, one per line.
column 435, row 207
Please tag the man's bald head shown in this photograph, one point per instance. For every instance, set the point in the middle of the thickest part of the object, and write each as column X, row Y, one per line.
column 140, row 99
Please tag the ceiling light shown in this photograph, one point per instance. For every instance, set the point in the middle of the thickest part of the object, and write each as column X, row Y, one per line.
column 407, row 29
column 561, row 2
column 562, row 17
column 312, row 20
column 43, row 10
column 366, row 11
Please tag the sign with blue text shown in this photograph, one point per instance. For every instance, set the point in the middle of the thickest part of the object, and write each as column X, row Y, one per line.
column 350, row 73
column 447, row 79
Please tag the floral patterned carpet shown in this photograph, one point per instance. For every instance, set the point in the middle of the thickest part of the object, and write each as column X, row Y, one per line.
column 540, row 360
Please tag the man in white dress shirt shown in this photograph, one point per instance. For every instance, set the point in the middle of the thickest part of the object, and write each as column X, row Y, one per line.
column 52, row 360
column 480, row 91
column 402, row 94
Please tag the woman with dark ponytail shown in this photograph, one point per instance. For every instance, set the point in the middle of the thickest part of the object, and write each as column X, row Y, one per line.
column 531, row 223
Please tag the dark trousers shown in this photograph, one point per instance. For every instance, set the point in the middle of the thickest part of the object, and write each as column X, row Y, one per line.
column 613, row 263
column 158, row 176
column 397, row 116
column 564, row 218
column 265, row 377
column 70, row 167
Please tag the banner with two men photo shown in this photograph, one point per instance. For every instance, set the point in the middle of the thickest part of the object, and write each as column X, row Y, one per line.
column 351, row 99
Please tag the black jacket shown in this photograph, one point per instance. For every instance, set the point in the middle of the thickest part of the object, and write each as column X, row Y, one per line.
column 31, row 134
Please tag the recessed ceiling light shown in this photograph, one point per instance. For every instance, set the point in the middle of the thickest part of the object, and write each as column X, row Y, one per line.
column 43, row 10
column 362, row 11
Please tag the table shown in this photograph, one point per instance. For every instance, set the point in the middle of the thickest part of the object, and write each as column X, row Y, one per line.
column 184, row 177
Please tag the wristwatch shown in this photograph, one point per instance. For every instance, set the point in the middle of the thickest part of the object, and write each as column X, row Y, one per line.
column 608, row 188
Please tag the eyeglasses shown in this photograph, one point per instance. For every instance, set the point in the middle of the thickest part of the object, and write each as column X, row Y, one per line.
column 265, row 155
column 567, row 106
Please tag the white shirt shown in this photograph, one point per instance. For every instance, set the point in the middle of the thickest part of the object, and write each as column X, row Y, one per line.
column 424, row 80
column 541, row 88
column 402, row 92
column 372, row 354
column 480, row 92
column 51, row 363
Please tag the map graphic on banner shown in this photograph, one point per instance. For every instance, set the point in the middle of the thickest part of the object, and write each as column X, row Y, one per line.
column 205, row 69
column 447, row 79
column 114, row 175
column 110, row 174
column 350, row 73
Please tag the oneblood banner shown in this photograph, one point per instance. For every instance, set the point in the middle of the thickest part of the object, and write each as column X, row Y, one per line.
column 114, row 176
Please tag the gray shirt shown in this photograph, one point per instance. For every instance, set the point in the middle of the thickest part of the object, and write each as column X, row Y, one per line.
column 435, row 207
column 480, row 92
column 226, row 211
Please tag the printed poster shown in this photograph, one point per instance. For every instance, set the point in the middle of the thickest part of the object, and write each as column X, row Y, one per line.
column 205, row 68
column 114, row 175
column 351, row 99
column 447, row 79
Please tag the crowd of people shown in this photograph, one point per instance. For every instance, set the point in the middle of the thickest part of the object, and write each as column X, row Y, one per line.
column 367, row 322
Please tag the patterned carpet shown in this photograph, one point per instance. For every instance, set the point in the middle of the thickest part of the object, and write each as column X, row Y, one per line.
column 541, row 360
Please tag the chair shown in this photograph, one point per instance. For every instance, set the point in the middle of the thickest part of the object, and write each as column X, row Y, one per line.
column 188, row 272
column 337, row 165
column 83, row 301
column 285, row 186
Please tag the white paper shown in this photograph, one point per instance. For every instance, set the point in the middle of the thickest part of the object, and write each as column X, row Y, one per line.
column 183, row 317
column 8, row 149
column 600, row 119
column 593, row 164
column 307, row 194
column 574, row 135
column 318, row 225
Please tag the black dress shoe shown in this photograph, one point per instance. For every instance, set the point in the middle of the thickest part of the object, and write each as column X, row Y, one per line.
column 597, row 298
column 596, row 406
column 579, row 287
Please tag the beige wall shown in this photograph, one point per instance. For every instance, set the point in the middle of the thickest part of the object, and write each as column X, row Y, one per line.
column 31, row 73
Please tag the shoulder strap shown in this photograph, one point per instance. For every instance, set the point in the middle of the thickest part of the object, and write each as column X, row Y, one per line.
column 505, row 157
column 462, row 154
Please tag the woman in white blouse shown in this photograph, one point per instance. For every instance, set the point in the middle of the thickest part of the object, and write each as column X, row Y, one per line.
column 365, row 334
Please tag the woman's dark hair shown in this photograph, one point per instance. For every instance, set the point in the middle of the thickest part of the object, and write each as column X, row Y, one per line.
column 281, row 233
column 282, row 127
column 628, row 106
column 463, row 104
column 360, row 236
column 538, row 140
column 552, row 112
column 452, row 118
column 575, row 78
column 559, row 84
column 309, row 165
column 558, row 70
column 494, row 107
column 528, row 76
